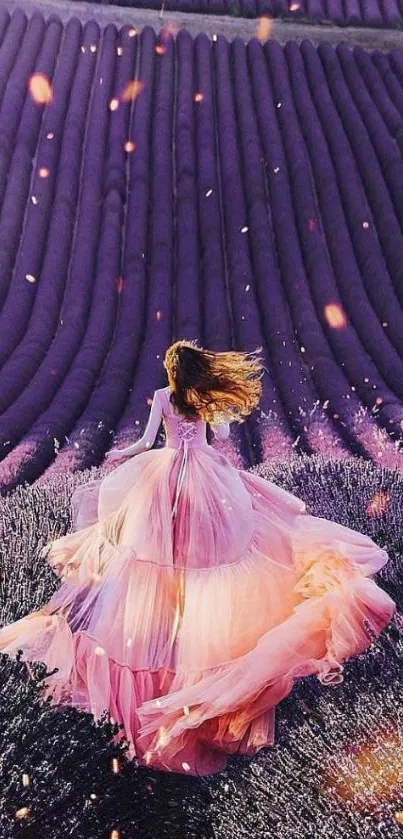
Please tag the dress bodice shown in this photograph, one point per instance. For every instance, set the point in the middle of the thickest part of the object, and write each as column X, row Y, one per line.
column 178, row 429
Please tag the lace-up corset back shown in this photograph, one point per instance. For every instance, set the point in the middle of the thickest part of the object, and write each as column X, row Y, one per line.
column 186, row 430
column 179, row 430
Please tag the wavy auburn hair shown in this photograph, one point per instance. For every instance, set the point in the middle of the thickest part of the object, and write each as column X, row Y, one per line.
column 213, row 386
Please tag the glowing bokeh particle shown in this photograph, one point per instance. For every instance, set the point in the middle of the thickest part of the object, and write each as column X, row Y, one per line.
column 40, row 89
column 335, row 316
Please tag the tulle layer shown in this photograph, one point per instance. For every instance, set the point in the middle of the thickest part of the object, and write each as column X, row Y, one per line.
column 148, row 616
column 181, row 715
column 192, row 656
column 230, row 707
column 213, row 523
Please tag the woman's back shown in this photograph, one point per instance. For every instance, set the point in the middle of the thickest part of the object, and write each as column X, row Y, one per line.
column 178, row 428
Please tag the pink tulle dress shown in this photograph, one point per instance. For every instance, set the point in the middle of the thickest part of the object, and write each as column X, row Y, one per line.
column 193, row 595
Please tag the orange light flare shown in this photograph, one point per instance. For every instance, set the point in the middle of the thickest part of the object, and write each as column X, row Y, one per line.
column 40, row 89
column 378, row 504
column 43, row 172
column 370, row 774
column 335, row 316
column 160, row 49
column 264, row 29
column 132, row 90
column 169, row 30
column 130, row 146
column 294, row 6
column 198, row 97
column 22, row 813
column 115, row 834
column 115, row 766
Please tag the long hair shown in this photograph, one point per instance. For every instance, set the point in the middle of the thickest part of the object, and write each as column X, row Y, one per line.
column 213, row 386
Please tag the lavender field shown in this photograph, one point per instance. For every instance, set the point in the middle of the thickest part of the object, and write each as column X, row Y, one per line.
column 155, row 187
column 159, row 188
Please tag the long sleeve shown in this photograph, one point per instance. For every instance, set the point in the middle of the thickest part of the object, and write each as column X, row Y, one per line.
column 221, row 431
column 150, row 432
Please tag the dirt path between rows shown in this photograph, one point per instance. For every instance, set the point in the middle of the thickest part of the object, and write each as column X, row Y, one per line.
column 283, row 30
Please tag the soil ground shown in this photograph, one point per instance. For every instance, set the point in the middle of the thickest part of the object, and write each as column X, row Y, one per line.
column 283, row 30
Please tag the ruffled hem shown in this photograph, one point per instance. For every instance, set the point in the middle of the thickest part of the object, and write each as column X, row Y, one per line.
column 91, row 681
column 228, row 707
column 187, row 720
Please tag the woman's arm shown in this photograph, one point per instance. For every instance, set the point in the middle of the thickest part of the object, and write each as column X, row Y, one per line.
column 221, row 431
column 150, row 432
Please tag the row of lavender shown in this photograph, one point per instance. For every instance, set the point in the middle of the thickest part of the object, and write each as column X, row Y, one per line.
column 157, row 188
column 379, row 13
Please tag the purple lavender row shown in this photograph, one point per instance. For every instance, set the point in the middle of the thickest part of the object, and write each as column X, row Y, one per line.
column 357, row 374
column 201, row 307
column 387, row 224
column 232, row 293
column 380, row 253
column 385, row 147
column 58, row 158
column 157, row 322
column 86, row 322
column 4, row 23
column 188, row 313
column 241, row 280
column 331, row 351
column 20, row 124
column 296, row 388
column 385, row 77
column 287, row 171
column 91, row 435
column 216, row 312
column 361, row 242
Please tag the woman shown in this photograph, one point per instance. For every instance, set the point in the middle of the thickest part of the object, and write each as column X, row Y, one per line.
column 195, row 594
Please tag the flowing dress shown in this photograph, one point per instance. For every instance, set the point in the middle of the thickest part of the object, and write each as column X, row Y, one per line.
column 193, row 595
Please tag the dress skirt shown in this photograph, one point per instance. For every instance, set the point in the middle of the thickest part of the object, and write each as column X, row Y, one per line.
column 188, row 618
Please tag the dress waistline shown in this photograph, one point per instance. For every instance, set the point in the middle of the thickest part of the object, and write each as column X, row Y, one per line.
column 189, row 443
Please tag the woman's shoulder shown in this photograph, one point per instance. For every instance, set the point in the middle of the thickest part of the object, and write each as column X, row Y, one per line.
column 164, row 394
column 163, row 391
